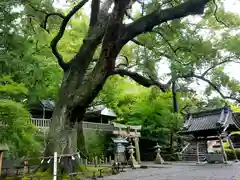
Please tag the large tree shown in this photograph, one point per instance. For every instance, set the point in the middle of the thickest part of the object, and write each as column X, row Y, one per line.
column 95, row 61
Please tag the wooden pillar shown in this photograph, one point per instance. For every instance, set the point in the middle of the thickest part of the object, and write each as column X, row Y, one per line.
column 25, row 168
column 233, row 149
column 110, row 159
column 1, row 158
column 197, row 151
column 222, row 149
column 138, row 157
column 86, row 162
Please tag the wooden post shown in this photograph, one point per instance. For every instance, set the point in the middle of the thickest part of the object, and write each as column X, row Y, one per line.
column 110, row 159
column 136, row 143
column 233, row 149
column 96, row 161
column 86, row 162
column 223, row 150
column 1, row 158
column 115, row 157
column 25, row 168
column 197, row 151
column 55, row 166
column 99, row 161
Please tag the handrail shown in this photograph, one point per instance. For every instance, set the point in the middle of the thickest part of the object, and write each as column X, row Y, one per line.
column 184, row 148
column 41, row 123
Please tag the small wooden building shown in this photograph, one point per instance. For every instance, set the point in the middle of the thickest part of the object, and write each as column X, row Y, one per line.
column 97, row 114
column 215, row 124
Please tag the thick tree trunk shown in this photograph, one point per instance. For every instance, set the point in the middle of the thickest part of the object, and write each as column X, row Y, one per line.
column 80, row 85
column 61, row 133
column 75, row 96
column 62, row 137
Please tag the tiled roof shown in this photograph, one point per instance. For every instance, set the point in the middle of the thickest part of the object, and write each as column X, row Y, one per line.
column 101, row 109
column 208, row 120
column 48, row 104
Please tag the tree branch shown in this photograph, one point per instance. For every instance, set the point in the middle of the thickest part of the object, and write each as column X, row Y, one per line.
column 216, row 88
column 216, row 17
column 159, row 53
column 94, row 12
column 129, row 15
column 124, row 64
column 148, row 22
column 141, row 79
column 48, row 14
column 138, row 42
column 60, row 33
column 174, row 50
column 218, row 64
column 44, row 22
column 181, row 111
column 146, row 82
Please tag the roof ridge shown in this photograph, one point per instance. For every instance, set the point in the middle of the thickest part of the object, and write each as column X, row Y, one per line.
column 208, row 112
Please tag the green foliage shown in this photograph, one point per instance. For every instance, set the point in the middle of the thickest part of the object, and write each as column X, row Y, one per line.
column 154, row 112
column 17, row 130
column 230, row 154
column 11, row 89
column 95, row 142
column 148, row 107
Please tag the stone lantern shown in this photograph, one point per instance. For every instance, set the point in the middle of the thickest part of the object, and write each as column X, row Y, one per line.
column 132, row 159
column 159, row 159
column 119, row 149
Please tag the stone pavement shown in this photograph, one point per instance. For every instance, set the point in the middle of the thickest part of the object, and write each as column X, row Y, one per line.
column 182, row 171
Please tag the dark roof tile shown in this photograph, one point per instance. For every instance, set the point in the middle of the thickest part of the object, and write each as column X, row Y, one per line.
column 208, row 120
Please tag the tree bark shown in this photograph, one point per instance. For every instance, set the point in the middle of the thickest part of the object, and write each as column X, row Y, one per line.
column 62, row 137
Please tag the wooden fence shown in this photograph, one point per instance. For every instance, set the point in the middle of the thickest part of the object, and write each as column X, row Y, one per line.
column 26, row 166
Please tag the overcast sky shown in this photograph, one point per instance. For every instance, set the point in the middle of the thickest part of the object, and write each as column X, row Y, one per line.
column 231, row 69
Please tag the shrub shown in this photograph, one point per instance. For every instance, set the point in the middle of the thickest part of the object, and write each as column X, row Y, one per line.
column 19, row 132
column 230, row 154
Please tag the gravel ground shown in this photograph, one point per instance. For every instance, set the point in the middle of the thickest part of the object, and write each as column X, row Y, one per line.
column 182, row 171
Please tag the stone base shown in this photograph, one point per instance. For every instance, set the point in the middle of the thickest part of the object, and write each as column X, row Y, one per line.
column 159, row 159
column 133, row 163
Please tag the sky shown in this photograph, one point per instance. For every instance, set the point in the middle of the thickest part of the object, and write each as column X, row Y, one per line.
column 232, row 69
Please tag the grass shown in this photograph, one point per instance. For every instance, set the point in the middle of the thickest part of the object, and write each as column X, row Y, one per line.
column 89, row 170
column 83, row 172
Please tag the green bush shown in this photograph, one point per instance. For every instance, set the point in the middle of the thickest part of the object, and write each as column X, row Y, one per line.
column 95, row 142
column 19, row 132
column 230, row 154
